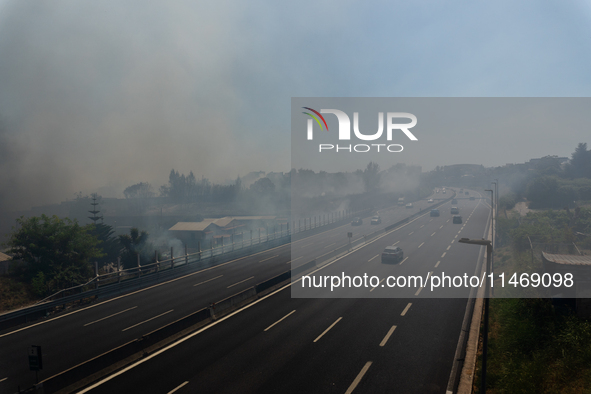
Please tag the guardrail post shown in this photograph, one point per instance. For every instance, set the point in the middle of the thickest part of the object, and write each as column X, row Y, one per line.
column 171, row 258
column 156, row 260
column 232, row 240
column 119, row 269
column 139, row 267
column 186, row 256
column 199, row 249
column 96, row 274
column 222, row 244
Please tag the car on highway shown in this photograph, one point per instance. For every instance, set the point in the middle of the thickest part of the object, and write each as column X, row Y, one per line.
column 454, row 210
column 357, row 222
column 392, row 254
column 454, row 201
column 466, row 193
column 430, row 201
column 409, row 205
column 457, row 219
column 472, row 198
column 434, row 212
column 376, row 220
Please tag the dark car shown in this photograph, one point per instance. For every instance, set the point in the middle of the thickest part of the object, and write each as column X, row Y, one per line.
column 457, row 219
column 392, row 254
column 455, row 210
column 376, row 220
column 434, row 212
column 454, row 201
column 466, row 193
column 357, row 222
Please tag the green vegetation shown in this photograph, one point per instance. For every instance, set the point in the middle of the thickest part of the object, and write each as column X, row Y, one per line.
column 136, row 244
column 54, row 253
column 535, row 349
column 534, row 346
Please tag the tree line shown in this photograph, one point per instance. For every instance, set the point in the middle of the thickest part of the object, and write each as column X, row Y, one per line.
column 51, row 253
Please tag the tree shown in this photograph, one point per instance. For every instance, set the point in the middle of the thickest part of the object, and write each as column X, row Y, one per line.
column 134, row 244
column 57, row 252
column 139, row 195
column 580, row 163
column 139, row 190
column 263, row 186
column 109, row 244
column 371, row 177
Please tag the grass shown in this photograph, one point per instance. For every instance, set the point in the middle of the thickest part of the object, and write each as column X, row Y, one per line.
column 14, row 294
column 534, row 346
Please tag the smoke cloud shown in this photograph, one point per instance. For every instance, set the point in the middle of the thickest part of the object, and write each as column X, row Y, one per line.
column 104, row 94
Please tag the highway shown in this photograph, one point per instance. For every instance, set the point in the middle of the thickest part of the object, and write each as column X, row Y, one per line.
column 83, row 333
column 332, row 345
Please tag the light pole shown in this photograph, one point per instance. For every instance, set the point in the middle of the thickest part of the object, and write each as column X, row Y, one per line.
column 489, row 252
column 496, row 182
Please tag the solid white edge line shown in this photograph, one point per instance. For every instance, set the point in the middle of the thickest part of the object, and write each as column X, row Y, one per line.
column 280, row 320
column 242, row 281
column 114, row 314
column 390, row 331
column 139, row 291
column 178, row 387
column 145, row 321
column 216, row 322
column 359, row 377
column 327, row 330
column 205, row 281
column 406, row 309
column 2, row 380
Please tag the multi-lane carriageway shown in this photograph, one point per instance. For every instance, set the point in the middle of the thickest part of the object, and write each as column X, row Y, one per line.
column 278, row 344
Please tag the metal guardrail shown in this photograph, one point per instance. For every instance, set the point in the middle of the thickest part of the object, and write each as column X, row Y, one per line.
column 74, row 378
column 341, row 250
column 134, row 278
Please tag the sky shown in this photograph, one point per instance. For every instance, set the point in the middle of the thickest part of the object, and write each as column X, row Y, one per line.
column 97, row 96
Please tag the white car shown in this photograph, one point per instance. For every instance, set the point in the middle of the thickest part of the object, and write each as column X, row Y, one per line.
column 430, row 201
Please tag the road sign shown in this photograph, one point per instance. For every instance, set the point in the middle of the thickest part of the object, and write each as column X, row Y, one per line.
column 35, row 359
column 350, row 235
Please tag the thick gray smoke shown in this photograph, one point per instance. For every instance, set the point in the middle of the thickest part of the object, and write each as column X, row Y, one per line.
column 102, row 95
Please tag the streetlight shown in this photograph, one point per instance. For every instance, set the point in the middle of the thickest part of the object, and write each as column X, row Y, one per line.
column 496, row 182
column 489, row 250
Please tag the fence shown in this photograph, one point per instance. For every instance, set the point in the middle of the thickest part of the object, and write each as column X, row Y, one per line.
column 124, row 280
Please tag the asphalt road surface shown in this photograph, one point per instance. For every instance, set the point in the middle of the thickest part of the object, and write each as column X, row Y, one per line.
column 281, row 344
